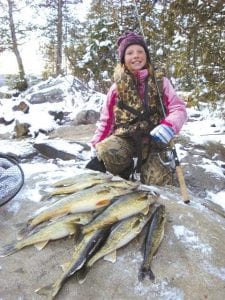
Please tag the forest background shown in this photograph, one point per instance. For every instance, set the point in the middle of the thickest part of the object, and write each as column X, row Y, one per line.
column 186, row 38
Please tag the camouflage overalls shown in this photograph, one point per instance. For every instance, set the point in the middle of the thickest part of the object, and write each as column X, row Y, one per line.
column 134, row 120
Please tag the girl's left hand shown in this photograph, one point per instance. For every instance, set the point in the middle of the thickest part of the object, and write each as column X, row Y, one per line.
column 162, row 133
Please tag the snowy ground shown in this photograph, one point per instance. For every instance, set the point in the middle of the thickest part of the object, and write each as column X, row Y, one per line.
column 204, row 125
column 190, row 262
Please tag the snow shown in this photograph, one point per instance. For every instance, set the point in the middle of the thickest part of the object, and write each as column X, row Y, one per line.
column 205, row 125
column 190, row 239
column 218, row 198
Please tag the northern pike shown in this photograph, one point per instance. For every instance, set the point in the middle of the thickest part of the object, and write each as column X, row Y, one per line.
column 154, row 236
column 83, row 249
column 122, row 207
column 82, row 181
column 121, row 234
column 41, row 235
column 87, row 200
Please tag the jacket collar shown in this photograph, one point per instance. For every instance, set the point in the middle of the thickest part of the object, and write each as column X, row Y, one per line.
column 141, row 74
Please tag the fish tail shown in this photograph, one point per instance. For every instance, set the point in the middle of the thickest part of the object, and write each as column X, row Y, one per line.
column 50, row 291
column 8, row 249
column 23, row 230
column 45, row 195
column 45, row 291
column 146, row 271
column 82, row 274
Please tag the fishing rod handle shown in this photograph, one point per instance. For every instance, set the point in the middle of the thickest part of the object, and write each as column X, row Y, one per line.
column 183, row 187
column 180, row 175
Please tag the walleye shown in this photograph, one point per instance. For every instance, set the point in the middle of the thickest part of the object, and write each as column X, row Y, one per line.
column 41, row 235
column 87, row 200
column 83, row 249
column 79, row 183
column 76, row 178
column 152, row 241
column 121, row 234
column 122, row 207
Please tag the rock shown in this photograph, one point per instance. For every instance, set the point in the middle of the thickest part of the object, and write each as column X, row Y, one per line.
column 22, row 106
column 54, row 150
column 21, row 129
column 74, row 133
column 189, row 263
column 50, row 95
column 6, row 122
column 86, row 117
column 59, row 116
column 50, row 152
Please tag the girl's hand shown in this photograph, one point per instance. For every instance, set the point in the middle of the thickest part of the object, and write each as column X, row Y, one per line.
column 162, row 133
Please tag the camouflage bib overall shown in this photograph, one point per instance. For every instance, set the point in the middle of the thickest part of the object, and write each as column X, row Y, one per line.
column 134, row 119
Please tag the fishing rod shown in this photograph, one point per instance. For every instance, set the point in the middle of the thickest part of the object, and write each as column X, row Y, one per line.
column 179, row 171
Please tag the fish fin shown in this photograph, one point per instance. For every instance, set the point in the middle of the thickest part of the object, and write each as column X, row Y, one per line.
column 111, row 257
column 78, row 234
column 102, row 203
column 45, row 194
column 45, row 291
column 103, row 191
column 46, row 197
column 8, row 249
column 146, row 271
column 65, row 266
column 23, row 231
column 40, row 246
column 82, row 274
column 145, row 211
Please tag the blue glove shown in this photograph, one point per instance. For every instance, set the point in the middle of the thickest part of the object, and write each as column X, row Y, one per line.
column 162, row 133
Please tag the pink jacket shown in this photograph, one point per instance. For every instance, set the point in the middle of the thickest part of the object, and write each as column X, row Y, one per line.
column 176, row 113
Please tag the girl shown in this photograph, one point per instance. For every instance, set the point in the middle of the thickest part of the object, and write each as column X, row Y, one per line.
column 133, row 122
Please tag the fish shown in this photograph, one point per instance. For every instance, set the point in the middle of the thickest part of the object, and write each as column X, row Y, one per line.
column 77, row 178
column 86, row 246
column 40, row 236
column 154, row 236
column 82, row 181
column 121, row 207
column 120, row 235
column 89, row 199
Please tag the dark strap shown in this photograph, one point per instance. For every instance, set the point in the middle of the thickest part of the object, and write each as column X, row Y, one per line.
column 138, row 142
column 123, row 105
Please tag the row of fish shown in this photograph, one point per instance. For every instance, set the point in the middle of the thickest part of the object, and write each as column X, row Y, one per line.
column 105, row 216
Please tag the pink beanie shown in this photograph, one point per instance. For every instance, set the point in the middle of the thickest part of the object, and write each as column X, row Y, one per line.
column 130, row 38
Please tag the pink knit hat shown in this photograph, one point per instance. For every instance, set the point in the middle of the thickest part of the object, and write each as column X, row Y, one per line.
column 130, row 38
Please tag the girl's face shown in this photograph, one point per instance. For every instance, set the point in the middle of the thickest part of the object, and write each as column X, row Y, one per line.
column 135, row 58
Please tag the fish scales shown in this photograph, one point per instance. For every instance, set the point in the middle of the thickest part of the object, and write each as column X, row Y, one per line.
column 123, row 207
column 121, row 234
column 78, row 178
column 62, row 227
column 83, row 201
column 82, row 181
column 83, row 249
column 152, row 241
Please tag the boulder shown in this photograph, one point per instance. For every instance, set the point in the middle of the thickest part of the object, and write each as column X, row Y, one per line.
column 21, row 129
column 50, row 95
column 85, row 117
column 22, row 106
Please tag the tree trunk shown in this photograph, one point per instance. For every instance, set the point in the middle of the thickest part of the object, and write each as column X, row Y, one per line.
column 22, row 85
column 59, row 39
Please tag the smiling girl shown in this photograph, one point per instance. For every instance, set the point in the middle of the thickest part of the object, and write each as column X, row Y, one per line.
column 132, row 123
